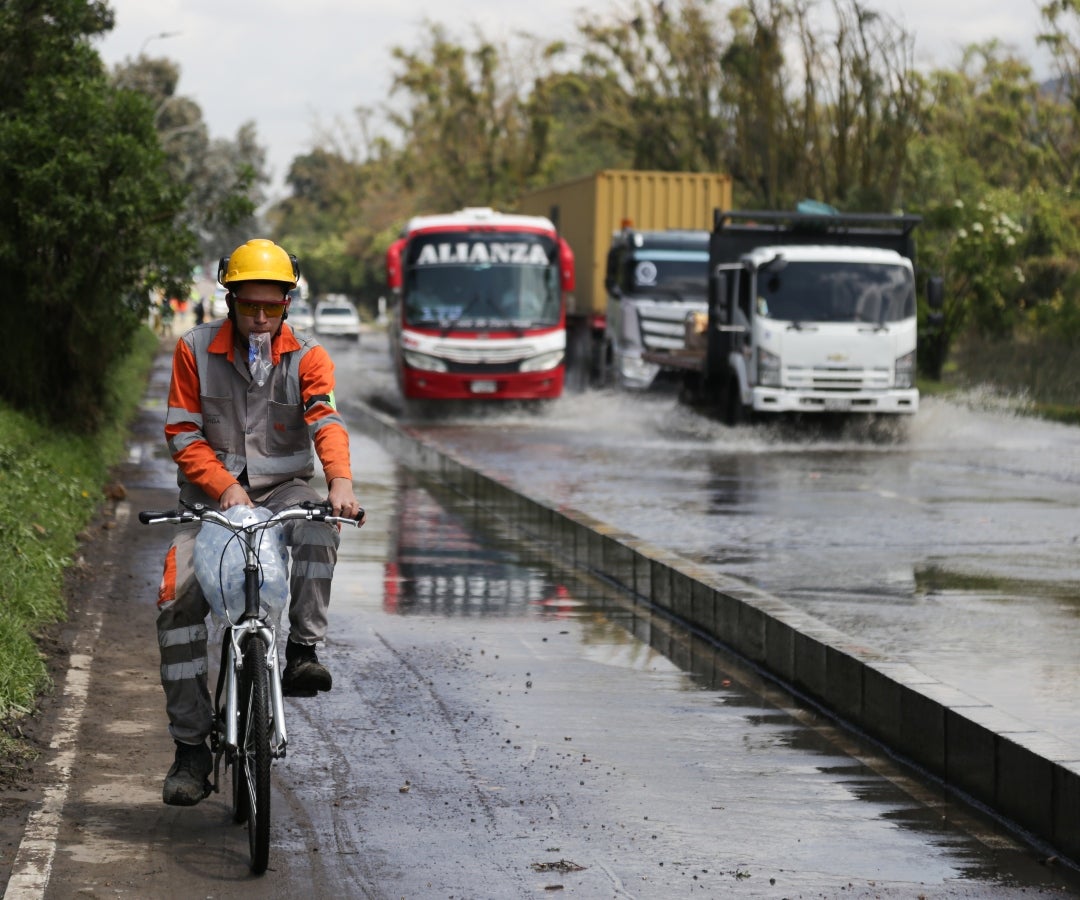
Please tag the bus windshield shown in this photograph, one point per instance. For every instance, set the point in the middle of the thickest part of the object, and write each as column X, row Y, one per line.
column 835, row 292
column 486, row 280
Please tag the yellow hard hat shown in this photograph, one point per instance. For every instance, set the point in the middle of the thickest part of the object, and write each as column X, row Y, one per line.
column 259, row 260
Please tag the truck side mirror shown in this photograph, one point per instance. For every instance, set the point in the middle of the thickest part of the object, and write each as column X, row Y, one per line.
column 935, row 292
column 719, row 298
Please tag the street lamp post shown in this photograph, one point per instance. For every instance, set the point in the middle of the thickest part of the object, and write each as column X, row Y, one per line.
column 157, row 37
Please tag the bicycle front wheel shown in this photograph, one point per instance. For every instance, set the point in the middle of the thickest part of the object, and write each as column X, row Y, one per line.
column 251, row 776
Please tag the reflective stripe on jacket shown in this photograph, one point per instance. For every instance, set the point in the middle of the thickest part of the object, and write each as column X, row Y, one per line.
column 220, row 422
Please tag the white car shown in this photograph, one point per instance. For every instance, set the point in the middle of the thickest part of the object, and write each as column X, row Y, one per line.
column 337, row 317
column 300, row 315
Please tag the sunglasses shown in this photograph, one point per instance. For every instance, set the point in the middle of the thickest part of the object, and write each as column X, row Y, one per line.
column 251, row 308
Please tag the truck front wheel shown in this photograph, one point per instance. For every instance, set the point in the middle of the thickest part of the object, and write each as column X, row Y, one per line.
column 601, row 361
column 578, row 355
column 731, row 406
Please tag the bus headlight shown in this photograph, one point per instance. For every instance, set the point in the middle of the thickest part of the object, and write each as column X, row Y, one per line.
column 768, row 369
column 905, row 371
column 543, row 362
column 423, row 362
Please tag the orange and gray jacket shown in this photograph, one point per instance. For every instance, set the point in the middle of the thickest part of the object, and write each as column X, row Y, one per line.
column 222, row 428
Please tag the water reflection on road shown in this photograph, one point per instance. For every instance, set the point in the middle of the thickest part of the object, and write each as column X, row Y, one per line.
column 953, row 543
column 659, row 756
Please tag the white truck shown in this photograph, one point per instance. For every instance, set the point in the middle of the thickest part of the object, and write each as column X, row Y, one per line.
column 654, row 279
column 808, row 313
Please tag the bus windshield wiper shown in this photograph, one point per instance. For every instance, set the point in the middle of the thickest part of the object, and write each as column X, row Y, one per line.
column 461, row 315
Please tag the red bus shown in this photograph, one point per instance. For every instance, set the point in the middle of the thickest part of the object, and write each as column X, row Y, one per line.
column 480, row 308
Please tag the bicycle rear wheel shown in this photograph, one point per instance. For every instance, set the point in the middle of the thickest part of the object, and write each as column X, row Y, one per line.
column 251, row 774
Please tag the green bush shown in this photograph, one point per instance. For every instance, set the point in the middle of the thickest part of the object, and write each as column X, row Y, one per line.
column 50, row 485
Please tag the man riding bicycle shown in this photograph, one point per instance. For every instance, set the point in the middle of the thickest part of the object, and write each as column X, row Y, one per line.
column 251, row 403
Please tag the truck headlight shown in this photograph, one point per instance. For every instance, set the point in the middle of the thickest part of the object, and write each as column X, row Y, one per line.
column 423, row 362
column 768, row 369
column 543, row 362
column 905, row 371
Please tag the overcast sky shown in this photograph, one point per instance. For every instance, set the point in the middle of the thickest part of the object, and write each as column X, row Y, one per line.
column 295, row 66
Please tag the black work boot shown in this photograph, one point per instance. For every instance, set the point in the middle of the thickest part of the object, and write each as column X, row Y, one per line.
column 188, row 780
column 304, row 675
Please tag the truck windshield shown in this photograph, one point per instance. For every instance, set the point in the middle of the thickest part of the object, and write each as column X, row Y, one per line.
column 484, row 280
column 669, row 273
column 835, row 292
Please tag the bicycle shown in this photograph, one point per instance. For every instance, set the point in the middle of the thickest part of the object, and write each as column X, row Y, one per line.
column 249, row 708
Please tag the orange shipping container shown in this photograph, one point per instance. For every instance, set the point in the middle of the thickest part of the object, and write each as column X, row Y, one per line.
column 587, row 211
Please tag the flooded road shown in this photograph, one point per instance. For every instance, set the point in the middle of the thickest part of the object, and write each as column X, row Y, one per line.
column 501, row 728
column 953, row 543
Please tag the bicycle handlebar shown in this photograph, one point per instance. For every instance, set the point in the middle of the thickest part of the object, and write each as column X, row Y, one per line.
column 314, row 512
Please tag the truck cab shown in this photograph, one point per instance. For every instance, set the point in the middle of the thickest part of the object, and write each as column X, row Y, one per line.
column 654, row 280
column 829, row 329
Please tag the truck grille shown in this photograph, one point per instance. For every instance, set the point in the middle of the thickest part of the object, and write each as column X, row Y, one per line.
column 837, row 378
column 662, row 328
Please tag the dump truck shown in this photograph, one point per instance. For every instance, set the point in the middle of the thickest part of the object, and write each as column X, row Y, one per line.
column 808, row 313
column 589, row 213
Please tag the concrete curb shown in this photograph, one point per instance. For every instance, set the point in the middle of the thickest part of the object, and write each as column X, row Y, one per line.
column 1023, row 775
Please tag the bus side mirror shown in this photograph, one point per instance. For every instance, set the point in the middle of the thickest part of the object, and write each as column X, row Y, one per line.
column 393, row 264
column 566, row 266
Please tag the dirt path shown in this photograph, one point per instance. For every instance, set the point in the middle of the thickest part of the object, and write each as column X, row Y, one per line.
column 111, row 592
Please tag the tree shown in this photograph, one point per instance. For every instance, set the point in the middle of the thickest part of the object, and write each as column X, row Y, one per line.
column 563, row 110
column 88, row 214
column 466, row 125
column 982, row 170
column 814, row 112
column 655, row 78
column 225, row 177
column 322, row 218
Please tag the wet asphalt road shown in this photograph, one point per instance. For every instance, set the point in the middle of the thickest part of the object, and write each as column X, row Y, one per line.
column 952, row 543
column 500, row 729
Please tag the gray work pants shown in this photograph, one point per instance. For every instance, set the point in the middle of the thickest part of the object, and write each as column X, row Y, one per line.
column 181, row 623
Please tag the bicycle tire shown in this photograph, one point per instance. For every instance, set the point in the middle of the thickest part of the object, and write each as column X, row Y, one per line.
column 254, row 755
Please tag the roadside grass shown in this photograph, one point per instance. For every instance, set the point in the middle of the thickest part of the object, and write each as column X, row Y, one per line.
column 50, row 486
column 1035, row 376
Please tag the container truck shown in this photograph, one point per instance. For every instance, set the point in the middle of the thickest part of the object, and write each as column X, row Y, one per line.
column 479, row 306
column 808, row 313
column 590, row 212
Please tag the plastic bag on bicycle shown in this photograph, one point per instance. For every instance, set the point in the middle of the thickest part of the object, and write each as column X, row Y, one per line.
column 219, row 565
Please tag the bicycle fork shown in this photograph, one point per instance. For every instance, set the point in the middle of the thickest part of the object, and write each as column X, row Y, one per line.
column 228, row 727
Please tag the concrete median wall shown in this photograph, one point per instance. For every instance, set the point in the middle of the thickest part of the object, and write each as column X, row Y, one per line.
column 1023, row 775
